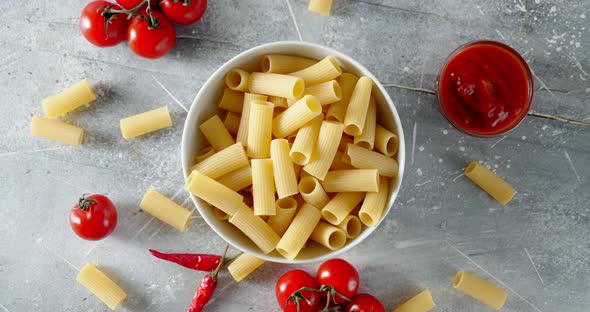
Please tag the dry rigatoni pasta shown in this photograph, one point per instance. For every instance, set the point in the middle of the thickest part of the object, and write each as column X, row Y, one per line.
column 220, row 215
column 485, row 178
column 351, row 225
column 329, row 236
column 421, row 302
column 165, row 210
column 147, row 122
column 299, row 231
column 216, row 133
column 386, row 141
column 237, row 180
column 284, row 64
column 374, row 205
column 286, row 208
column 225, row 161
column 363, row 158
column 367, row 138
column 325, row 149
column 263, row 187
column 203, row 154
column 232, row 101
column 69, row 99
column 312, row 192
column 56, row 130
column 283, row 170
column 321, row 7
column 322, row 71
column 355, row 180
column 305, row 140
column 242, row 135
column 340, row 206
column 255, row 228
column 238, row 80
column 101, row 286
column 214, row 193
column 296, row 116
column 278, row 101
column 286, row 86
column 480, row 289
column 358, row 106
column 326, row 93
column 243, row 266
column 232, row 122
column 260, row 129
column 337, row 110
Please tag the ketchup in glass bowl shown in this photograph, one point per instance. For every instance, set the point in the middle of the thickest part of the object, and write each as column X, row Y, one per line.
column 485, row 88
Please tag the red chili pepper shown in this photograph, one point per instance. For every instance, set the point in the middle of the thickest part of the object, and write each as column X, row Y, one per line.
column 206, row 289
column 199, row 262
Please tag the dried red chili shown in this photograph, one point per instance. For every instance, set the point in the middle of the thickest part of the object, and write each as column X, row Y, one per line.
column 199, row 262
column 206, row 289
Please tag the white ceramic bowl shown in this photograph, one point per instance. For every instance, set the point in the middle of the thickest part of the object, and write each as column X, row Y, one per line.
column 205, row 105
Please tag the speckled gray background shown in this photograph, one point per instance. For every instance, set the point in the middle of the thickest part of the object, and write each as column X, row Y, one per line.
column 537, row 247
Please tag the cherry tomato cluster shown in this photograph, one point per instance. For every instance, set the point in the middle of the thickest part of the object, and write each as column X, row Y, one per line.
column 334, row 288
column 145, row 24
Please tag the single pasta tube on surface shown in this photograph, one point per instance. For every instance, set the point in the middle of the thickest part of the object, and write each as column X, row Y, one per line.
column 354, row 180
column 282, row 168
column 337, row 110
column 363, row 158
column 260, row 129
column 232, row 101
column 305, row 140
column 296, row 116
column 284, row 64
column 242, row 135
column 374, row 205
column 285, row 86
column 386, row 141
column 214, row 193
column 243, row 266
column 352, row 226
column 220, row 215
column 322, row 71
column 204, row 154
column 329, row 236
column 358, row 106
column 69, row 99
column 232, row 122
column 312, row 192
column 165, row 210
column 367, row 138
column 321, row 7
column 325, row 149
column 255, row 228
column 225, row 161
column 422, row 302
column 286, row 208
column 340, row 206
column 278, row 101
column 101, row 286
column 216, row 133
column 326, row 92
column 485, row 178
column 299, row 231
column 237, row 80
column 56, row 130
column 480, row 289
column 237, row 180
column 147, row 122
column 263, row 187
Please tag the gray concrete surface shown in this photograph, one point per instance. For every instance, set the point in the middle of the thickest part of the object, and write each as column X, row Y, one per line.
column 537, row 247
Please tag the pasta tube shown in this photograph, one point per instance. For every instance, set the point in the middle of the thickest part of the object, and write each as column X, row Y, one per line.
column 216, row 133
column 232, row 101
column 237, row 180
column 324, row 149
column 367, row 138
column 326, row 93
column 277, row 85
column 329, row 236
column 386, row 141
column 225, row 161
column 299, row 231
column 284, row 64
column 296, row 116
column 278, row 101
column 242, row 135
column 214, row 193
column 69, row 99
column 482, row 290
column 374, row 205
column 363, row 158
column 255, row 228
column 321, row 7
column 355, row 180
column 358, row 106
column 322, row 71
column 286, row 208
column 263, row 187
column 165, row 210
column 243, row 266
column 260, row 129
column 352, row 226
column 232, row 122
column 485, row 178
column 422, row 302
column 340, row 206
column 101, row 286
column 305, row 141
column 147, row 122
column 237, row 80
column 312, row 192
column 337, row 110
column 56, row 130
column 282, row 168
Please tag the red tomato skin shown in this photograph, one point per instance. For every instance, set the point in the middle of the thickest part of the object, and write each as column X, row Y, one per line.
column 341, row 275
column 151, row 43
column 92, row 25
column 130, row 4
column 365, row 303
column 98, row 222
column 184, row 15
column 292, row 281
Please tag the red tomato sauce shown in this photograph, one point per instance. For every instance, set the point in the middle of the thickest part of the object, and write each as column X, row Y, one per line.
column 485, row 88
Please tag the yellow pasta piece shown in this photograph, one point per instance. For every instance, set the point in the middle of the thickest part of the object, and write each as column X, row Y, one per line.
column 147, row 122
column 232, row 101
column 263, row 187
column 243, row 266
column 305, row 140
column 485, row 178
column 101, row 286
column 284, row 64
column 216, row 133
column 242, row 135
column 363, row 158
column 165, row 210
column 225, row 161
column 204, row 154
column 340, row 206
column 237, row 180
column 374, row 205
column 214, row 193
column 351, row 225
column 299, row 231
column 386, row 141
column 283, row 170
column 358, row 106
column 286, row 208
column 312, row 192
column 255, row 228
column 326, row 93
column 480, row 289
column 339, row 164
column 260, row 129
column 286, row 86
column 321, row 7
column 337, row 110
column 232, row 122
column 355, row 180
column 329, row 236
column 238, row 80
column 325, row 149
column 220, row 215
column 322, row 71
column 56, row 130
column 367, row 138
column 69, row 99
column 422, row 302
column 296, row 116
column 278, row 101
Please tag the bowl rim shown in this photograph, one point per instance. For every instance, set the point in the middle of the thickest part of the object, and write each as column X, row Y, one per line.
column 252, row 52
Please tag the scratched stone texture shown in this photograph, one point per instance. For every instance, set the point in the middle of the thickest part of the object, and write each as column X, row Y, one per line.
column 537, row 247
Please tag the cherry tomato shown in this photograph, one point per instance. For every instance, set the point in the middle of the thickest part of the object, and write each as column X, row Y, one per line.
column 184, row 12
column 130, row 4
column 290, row 283
column 341, row 276
column 94, row 217
column 365, row 303
column 149, row 40
column 92, row 24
